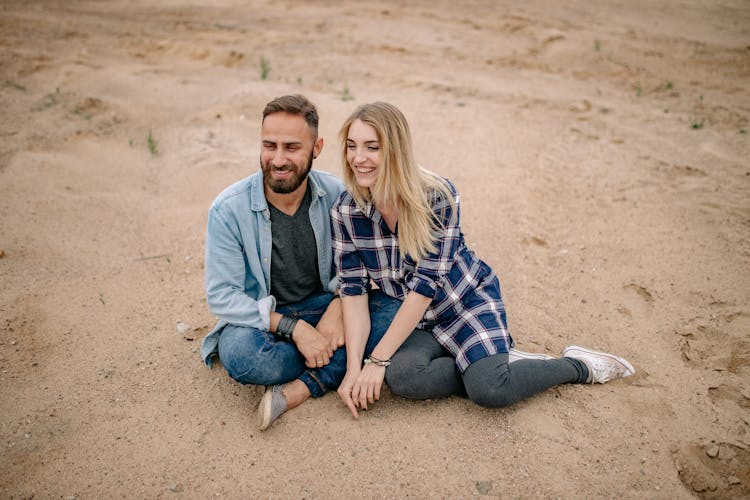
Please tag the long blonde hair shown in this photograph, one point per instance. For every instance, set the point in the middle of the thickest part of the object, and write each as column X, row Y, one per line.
column 400, row 180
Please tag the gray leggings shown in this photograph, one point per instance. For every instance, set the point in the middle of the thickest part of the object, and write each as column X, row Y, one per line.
column 423, row 369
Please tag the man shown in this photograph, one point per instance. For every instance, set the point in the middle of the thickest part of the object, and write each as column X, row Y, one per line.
column 269, row 276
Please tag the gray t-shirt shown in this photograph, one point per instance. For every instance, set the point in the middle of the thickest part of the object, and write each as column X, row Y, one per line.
column 294, row 255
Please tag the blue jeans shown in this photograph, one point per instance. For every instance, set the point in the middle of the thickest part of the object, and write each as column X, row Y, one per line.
column 253, row 356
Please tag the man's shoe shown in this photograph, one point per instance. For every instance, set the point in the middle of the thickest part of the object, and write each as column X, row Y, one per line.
column 602, row 366
column 272, row 405
column 516, row 355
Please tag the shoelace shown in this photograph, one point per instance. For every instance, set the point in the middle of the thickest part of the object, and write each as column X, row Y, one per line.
column 604, row 371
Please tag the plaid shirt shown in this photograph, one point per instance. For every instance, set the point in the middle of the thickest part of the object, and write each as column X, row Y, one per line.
column 466, row 316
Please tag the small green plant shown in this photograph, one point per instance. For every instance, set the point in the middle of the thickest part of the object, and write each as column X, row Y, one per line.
column 265, row 68
column 698, row 115
column 153, row 145
column 344, row 95
column 743, row 131
column 299, row 80
column 79, row 112
column 696, row 124
column 668, row 86
column 597, row 45
column 638, row 90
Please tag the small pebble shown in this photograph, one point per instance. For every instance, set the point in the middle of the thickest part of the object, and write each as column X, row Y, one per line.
column 484, row 487
column 182, row 328
column 712, row 451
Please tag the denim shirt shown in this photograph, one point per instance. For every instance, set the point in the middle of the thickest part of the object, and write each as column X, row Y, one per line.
column 238, row 253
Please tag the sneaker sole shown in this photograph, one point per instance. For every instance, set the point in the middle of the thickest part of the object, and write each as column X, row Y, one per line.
column 629, row 370
column 264, row 410
column 516, row 355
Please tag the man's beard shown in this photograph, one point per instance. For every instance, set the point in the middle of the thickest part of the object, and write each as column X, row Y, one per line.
column 286, row 186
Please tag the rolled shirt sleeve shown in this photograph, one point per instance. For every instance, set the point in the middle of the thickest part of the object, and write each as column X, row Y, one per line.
column 351, row 270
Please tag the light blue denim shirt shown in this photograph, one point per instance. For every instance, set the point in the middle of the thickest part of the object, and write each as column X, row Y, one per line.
column 238, row 252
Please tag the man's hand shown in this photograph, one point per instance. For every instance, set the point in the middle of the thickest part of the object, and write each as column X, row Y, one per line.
column 314, row 347
column 331, row 325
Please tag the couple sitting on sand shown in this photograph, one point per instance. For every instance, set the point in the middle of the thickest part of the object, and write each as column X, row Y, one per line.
column 291, row 255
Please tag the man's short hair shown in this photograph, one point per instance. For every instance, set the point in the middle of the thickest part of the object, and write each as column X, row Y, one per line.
column 296, row 105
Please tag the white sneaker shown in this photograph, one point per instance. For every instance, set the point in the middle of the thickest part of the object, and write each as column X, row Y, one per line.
column 272, row 405
column 602, row 366
column 516, row 355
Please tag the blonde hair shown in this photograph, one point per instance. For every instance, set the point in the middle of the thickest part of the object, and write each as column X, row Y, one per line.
column 400, row 180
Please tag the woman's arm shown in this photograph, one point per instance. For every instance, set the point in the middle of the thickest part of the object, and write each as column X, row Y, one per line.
column 354, row 283
column 356, row 315
column 366, row 387
column 407, row 318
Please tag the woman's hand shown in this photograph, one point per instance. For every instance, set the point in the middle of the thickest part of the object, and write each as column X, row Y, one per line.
column 361, row 387
column 345, row 390
column 366, row 388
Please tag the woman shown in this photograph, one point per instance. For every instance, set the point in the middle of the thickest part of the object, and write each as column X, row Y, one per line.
column 398, row 225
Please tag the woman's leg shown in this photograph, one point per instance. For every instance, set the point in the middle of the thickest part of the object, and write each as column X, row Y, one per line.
column 422, row 369
column 495, row 383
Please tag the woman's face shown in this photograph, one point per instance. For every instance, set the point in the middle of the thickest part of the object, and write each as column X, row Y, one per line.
column 363, row 153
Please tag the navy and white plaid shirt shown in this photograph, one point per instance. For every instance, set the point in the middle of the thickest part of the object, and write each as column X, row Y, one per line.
column 466, row 316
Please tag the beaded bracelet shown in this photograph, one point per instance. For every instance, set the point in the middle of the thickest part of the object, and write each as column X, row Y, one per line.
column 285, row 327
column 370, row 360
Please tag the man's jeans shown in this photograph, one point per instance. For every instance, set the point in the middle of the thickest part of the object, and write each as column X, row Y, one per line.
column 253, row 356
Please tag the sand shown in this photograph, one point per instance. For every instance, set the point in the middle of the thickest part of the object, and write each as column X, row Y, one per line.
column 601, row 150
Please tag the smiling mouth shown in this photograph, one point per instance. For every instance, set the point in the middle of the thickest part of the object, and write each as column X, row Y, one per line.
column 282, row 169
column 364, row 170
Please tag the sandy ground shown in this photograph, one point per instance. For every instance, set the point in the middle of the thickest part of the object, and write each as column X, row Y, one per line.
column 601, row 150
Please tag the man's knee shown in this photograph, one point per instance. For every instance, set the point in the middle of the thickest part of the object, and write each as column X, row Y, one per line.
column 241, row 352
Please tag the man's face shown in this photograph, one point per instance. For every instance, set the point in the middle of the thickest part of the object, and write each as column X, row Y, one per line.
column 288, row 147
